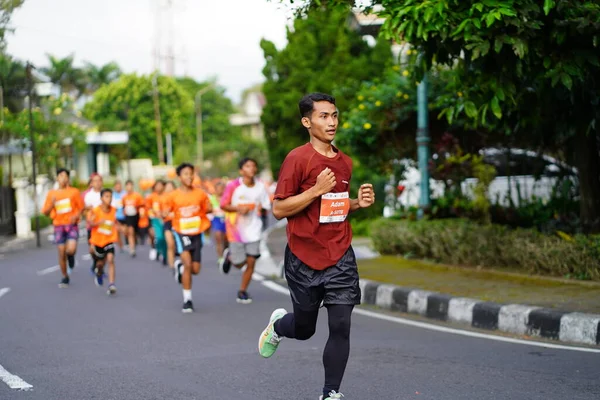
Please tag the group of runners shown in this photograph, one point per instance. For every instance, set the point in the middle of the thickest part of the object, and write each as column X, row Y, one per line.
column 176, row 220
column 312, row 193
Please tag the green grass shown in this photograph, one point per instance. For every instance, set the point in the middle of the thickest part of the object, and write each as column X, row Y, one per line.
column 488, row 285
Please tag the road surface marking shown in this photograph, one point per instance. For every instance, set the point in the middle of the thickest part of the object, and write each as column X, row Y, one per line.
column 13, row 381
column 399, row 320
column 86, row 257
column 48, row 270
column 4, row 291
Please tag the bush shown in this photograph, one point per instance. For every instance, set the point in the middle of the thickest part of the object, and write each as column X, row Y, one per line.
column 44, row 222
column 463, row 242
column 361, row 227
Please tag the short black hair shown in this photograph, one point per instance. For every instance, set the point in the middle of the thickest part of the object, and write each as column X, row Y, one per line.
column 244, row 160
column 61, row 170
column 183, row 166
column 306, row 104
column 104, row 191
column 128, row 181
column 158, row 182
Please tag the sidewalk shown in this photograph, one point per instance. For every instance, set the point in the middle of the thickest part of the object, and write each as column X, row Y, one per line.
column 9, row 244
column 515, row 303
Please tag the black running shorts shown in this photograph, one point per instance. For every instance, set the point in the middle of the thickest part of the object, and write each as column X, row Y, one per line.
column 101, row 252
column 132, row 221
column 337, row 284
column 192, row 244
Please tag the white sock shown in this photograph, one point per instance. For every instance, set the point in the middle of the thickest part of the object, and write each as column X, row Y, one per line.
column 187, row 295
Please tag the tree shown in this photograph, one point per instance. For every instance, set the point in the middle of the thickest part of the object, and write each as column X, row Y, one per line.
column 97, row 76
column 526, row 67
column 126, row 104
column 6, row 9
column 323, row 54
column 12, row 82
column 63, row 73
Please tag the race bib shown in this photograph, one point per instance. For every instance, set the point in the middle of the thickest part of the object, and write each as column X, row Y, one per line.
column 156, row 206
column 130, row 211
column 189, row 226
column 63, row 206
column 334, row 207
column 106, row 227
column 117, row 203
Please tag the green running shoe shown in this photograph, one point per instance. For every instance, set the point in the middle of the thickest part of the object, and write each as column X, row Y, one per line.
column 269, row 340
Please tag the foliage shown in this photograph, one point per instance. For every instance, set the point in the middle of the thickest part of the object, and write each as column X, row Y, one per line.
column 45, row 221
column 462, row 242
column 56, row 132
column 127, row 104
column 13, row 82
column 96, row 76
column 323, row 54
column 6, row 9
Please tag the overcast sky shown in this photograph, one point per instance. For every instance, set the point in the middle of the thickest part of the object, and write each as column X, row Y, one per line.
column 218, row 37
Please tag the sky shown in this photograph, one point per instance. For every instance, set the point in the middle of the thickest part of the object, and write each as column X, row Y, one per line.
column 218, row 38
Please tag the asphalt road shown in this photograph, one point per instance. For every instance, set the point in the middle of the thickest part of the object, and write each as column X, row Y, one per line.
column 78, row 343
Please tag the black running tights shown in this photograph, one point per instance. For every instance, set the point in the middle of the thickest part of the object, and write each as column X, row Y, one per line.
column 301, row 325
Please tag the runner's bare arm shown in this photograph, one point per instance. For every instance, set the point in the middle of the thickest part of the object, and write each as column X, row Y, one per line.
column 295, row 204
column 366, row 197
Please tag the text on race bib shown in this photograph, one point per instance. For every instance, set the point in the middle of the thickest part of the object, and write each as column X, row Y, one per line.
column 63, row 206
column 156, row 206
column 334, row 207
column 189, row 226
column 130, row 210
column 106, row 227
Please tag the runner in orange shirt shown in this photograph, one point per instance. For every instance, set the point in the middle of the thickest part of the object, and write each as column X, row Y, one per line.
column 132, row 201
column 64, row 205
column 189, row 206
column 103, row 220
column 153, row 206
column 143, row 228
column 168, row 225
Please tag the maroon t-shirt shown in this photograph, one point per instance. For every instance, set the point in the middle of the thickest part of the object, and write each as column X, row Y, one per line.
column 318, row 245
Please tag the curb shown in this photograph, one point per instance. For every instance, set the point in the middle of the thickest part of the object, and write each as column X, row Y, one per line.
column 572, row 327
column 518, row 319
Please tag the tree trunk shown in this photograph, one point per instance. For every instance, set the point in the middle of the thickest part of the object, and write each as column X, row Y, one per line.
column 588, row 165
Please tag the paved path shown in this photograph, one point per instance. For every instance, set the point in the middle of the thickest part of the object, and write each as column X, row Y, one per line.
column 77, row 343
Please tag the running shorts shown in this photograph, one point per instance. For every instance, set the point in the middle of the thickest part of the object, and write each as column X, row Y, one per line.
column 192, row 244
column 101, row 252
column 168, row 225
column 337, row 284
column 238, row 252
column 132, row 220
column 64, row 233
column 218, row 224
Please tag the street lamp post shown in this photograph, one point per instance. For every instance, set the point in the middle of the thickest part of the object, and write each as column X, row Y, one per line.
column 423, row 145
column 199, row 138
column 29, row 77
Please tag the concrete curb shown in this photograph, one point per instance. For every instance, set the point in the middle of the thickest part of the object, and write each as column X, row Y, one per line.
column 518, row 319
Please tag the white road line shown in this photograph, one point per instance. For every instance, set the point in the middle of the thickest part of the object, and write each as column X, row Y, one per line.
column 48, row 270
column 4, row 291
column 86, row 257
column 13, row 381
column 399, row 320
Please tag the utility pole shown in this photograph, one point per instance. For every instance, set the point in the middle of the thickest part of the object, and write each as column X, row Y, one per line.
column 159, row 138
column 28, row 69
column 199, row 138
column 423, row 145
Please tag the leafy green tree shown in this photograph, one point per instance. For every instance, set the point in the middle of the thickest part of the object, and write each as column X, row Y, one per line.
column 528, row 68
column 127, row 104
column 63, row 73
column 323, row 54
column 6, row 9
column 55, row 131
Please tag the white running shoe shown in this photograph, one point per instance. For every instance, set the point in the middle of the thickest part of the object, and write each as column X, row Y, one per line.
column 333, row 395
column 153, row 255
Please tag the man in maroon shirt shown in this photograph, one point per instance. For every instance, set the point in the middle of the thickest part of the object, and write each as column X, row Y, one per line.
column 320, row 266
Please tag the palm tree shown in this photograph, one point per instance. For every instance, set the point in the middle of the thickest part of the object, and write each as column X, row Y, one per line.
column 62, row 72
column 12, row 82
column 97, row 76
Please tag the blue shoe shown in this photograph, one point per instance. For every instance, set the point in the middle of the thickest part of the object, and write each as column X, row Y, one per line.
column 99, row 280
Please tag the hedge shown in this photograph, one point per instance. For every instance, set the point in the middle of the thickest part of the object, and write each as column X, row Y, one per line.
column 467, row 243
